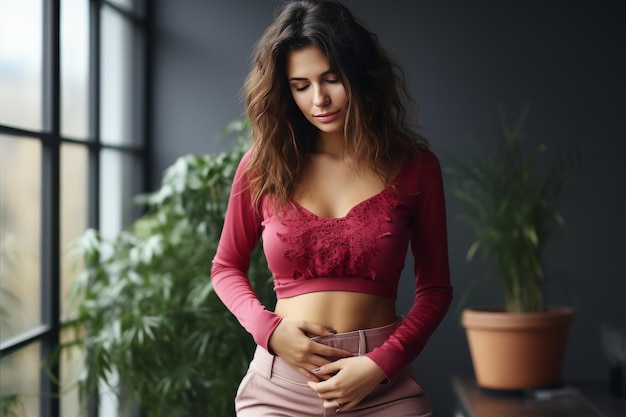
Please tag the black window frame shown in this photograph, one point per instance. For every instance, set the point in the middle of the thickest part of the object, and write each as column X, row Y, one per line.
column 48, row 334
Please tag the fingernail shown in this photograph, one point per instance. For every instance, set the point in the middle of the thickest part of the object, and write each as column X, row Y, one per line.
column 315, row 370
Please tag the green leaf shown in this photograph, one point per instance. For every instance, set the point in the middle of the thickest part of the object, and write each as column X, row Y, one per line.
column 510, row 199
column 152, row 324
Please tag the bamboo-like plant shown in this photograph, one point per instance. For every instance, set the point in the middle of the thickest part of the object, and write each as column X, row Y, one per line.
column 511, row 203
column 147, row 312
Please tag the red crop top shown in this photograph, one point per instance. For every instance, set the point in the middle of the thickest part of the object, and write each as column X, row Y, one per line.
column 364, row 251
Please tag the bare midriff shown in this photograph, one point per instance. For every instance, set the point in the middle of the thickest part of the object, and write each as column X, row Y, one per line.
column 339, row 310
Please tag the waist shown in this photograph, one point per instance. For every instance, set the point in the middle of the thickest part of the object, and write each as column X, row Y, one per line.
column 339, row 310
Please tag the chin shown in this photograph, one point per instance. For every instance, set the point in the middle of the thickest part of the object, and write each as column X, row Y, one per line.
column 331, row 129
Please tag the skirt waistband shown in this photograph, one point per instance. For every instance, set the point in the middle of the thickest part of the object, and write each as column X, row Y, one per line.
column 359, row 342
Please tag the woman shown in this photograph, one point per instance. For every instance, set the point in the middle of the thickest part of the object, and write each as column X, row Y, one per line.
column 337, row 186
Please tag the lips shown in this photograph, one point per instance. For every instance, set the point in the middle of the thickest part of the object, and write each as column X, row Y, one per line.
column 327, row 117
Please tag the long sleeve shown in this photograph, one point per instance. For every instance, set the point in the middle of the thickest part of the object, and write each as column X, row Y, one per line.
column 240, row 235
column 433, row 293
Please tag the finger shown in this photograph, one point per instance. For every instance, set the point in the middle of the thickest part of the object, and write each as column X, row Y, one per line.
column 342, row 407
column 322, row 377
column 332, row 400
column 328, row 369
column 316, row 329
column 315, row 387
column 323, row 388
column 310, row 376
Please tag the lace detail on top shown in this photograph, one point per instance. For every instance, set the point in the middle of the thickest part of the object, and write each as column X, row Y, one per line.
column 337, row 247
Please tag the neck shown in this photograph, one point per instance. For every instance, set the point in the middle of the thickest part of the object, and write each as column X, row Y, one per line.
column 332, row 144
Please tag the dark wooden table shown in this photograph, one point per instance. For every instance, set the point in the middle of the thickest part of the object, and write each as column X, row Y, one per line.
column 577, row 398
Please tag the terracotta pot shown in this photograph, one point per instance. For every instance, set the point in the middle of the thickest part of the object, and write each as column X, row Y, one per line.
column 515, row 351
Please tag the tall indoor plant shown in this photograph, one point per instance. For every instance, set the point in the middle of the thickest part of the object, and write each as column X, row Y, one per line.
column 511, row 203
column 147, row 313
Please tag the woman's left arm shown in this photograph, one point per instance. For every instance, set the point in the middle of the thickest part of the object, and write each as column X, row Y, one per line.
column 356, row 377
column 433, row 291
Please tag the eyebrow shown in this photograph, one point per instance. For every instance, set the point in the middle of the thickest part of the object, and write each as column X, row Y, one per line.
column 325, row 73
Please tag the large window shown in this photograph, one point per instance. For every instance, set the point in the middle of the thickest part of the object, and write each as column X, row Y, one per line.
column 72, row 156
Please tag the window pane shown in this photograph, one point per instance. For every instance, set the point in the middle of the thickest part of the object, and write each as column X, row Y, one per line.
column 119, row 176
column 71, row 363
column 74, row 212
column 75, row 68
column 20, row 375
column 116, row 105
column 21, row 63
column 20, row 235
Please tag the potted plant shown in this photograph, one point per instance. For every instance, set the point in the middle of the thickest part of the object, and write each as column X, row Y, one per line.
column 511, row 203
column 146, row 311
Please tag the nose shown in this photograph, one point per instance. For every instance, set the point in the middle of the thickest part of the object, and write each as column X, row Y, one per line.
column 320, row 97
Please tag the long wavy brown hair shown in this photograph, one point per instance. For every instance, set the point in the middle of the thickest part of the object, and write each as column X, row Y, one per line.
column 378, row 131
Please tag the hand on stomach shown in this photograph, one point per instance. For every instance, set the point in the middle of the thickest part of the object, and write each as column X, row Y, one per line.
column 321, row 314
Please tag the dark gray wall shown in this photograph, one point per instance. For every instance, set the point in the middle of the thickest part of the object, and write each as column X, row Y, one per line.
column 462, row 59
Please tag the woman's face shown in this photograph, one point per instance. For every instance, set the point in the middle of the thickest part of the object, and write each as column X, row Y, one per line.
column 318, row 93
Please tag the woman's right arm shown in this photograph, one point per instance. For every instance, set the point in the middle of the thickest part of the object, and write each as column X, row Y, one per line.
column 229, row 274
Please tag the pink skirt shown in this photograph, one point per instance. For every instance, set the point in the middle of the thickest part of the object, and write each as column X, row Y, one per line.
column 273, row 388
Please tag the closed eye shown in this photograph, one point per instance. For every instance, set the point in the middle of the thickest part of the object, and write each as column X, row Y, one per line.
column 327, row 81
